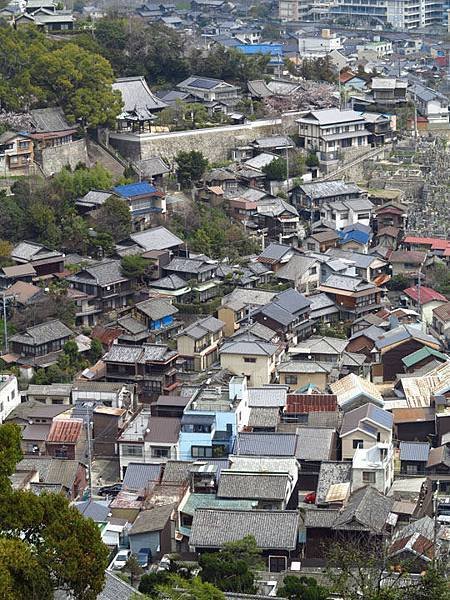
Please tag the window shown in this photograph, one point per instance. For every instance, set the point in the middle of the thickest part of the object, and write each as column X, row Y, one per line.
column 291, row 379
column 368, row 477
column 358, row 444
column 201, row 452
column 249, row 359
column 160, row 452
column 411, row 469
column 313, row 271
column 132, row 450
column 23, row 145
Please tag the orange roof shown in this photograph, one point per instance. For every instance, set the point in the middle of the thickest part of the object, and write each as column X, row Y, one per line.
column 346, row 76
column 65, row 431
column 434, row 243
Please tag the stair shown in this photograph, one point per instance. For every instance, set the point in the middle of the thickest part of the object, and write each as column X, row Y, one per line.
column 98, row 155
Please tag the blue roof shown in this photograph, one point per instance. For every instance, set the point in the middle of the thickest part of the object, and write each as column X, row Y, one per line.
column 135, row 189
column 354, row 236
column 272, row 49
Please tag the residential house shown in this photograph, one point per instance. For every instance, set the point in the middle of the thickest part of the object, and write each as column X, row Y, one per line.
column 275, row 256
column 413, row 457
column 425, row 300
column 55, row 475
column 363, row 516
column 56, row 393
column 111, row 395
column 9, row 395
column 10, row 275
column 352, row 295
column 287, row 314
column 152, row 529
column 257, row 360
column 394, row 345
column 440, row 324
column 149, row 241
column 238, row 305
column 280, row 218
column 438, row 467
column 277, row 144
column 406, row 262
column 93, row 200
column 353, row 391
column 314, row 446
column 334, row 483
column 16, row 154
column 275, row 532
column 106, row 287
column 388, row 91
column 54, row 143
column 24, row 294
column 319, row 46
column 199, row 272
column 266, row 444
column 66, row 439
column 270, row 490
column 48, row 20
column 373, row 466
column 419, row 359
column 364, row 427
column 323, row 309
column 388, row 237
column 347, row 212
column 366, row 266
column 414, row 424
column 216, row 94
column 302, row 271
column 40, row 341
column 298, row 374
column 321, row 241
column 380, row 127
column 140, row 105
column 150, row 366
column 430, row 104
column 198, row 344
column 108, row 424
column 157, row 315
column 390, row 215
column 311, row 196
column 319, row 349
column 431, row 245
column 144, row 201
column 43, row 260
column 331, row 133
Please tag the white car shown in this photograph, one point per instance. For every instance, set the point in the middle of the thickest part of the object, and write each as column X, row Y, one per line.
column 121, row 559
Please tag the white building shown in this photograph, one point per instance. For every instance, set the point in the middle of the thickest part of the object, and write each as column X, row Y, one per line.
column 331, row 133
column 401, row 14
column 430, row 104
column 319, row 46
column 9, row 395
column 373, row 466
column 347, row 212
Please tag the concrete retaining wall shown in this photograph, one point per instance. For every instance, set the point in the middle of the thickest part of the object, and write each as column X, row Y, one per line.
column 215, row 142
column 53, row 160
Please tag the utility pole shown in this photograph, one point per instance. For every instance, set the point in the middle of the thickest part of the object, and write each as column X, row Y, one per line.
column 89, row 448
column 419, row 288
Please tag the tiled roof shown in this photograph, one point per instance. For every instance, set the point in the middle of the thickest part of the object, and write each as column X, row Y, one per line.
column 267, row 396
column 331, row 473
column 43, row 333
column 163, row 429
column 426, row 295
column 156, row 308
column 139, row 476
column 421, row 354
column 266, row 444
column 305, row 403
column 367, row 509
column 258, row 486
column 101, row 273
column 49, row 120
column 443, row 312
column 203, row 327
column 156, row 238
column 212, row 528
column 264, row 417
column 315, row 443
column 368, row 414
column 65, row 431
column 414, row 451
column 351, row 386
column 151, row 519
column 251, row 347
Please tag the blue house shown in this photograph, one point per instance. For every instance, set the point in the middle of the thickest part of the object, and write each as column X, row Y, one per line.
column 154, row 316
column 144, row 200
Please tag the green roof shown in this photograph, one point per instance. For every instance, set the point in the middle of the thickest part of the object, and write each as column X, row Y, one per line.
column 211, row 501
column 419, row 355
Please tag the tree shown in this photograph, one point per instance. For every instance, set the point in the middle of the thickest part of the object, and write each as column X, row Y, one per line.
column 182, row 589
column 12, row 218
column 151, row 581
column 398, row 282
column 134, row 569
column 96, row 350
column 276, row 170
column 45, row 544
column 302, row 588
column 191, row 166
column 5, row 253
column 230, row 569
column 312, row 161
column 133, row 267
column 114, row 218
column 75, row 184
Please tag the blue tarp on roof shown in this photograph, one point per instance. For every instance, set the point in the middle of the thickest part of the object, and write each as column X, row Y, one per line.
column 135, row 189
column 272, row 49
column 354, row 236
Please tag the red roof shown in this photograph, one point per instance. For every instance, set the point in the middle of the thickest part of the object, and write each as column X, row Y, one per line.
column 65, row 431
column 434, row 243
column 426, row 295
column 346, row 76
column 307, row 403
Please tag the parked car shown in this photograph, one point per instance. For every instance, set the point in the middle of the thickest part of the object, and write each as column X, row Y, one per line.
column 310, row 498
column 110, row 490
column 144, row 557
column 121, row 559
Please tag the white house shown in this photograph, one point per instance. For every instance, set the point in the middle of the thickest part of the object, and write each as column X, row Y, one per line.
column 319, row 46
column 347, row 212
column 331, row 133
column 9, row 395
column 430, row 104
column 373, row 466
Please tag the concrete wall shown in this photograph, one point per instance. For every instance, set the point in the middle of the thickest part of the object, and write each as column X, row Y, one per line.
column 53, row 160
column 258, row 373
column 214, row 142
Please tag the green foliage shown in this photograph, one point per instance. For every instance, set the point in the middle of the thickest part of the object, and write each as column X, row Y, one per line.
column 150, row 581
column 75, row 184
column 44, row 543
column 441, row 279
column 69, row 363
column 231, row 569
column 311, row 160
column 398, row 283
column 12, row 218
column 276, row 170
column 318, row 69
column 190, row 166
column 133, row 267
column 302, row 588
column 183, row 589
column 35, row 69
column 114, row 219
column 96, row 350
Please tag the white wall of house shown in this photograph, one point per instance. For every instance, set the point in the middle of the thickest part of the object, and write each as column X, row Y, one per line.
column 9, row 395
column 373, row 466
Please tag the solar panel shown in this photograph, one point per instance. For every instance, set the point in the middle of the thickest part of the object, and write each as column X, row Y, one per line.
column 206, row 84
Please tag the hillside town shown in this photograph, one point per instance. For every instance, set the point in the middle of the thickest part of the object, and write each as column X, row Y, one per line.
column 224, row 300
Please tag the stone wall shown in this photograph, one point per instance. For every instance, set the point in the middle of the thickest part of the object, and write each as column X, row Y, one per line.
column 215, row 142
column 53, row 160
